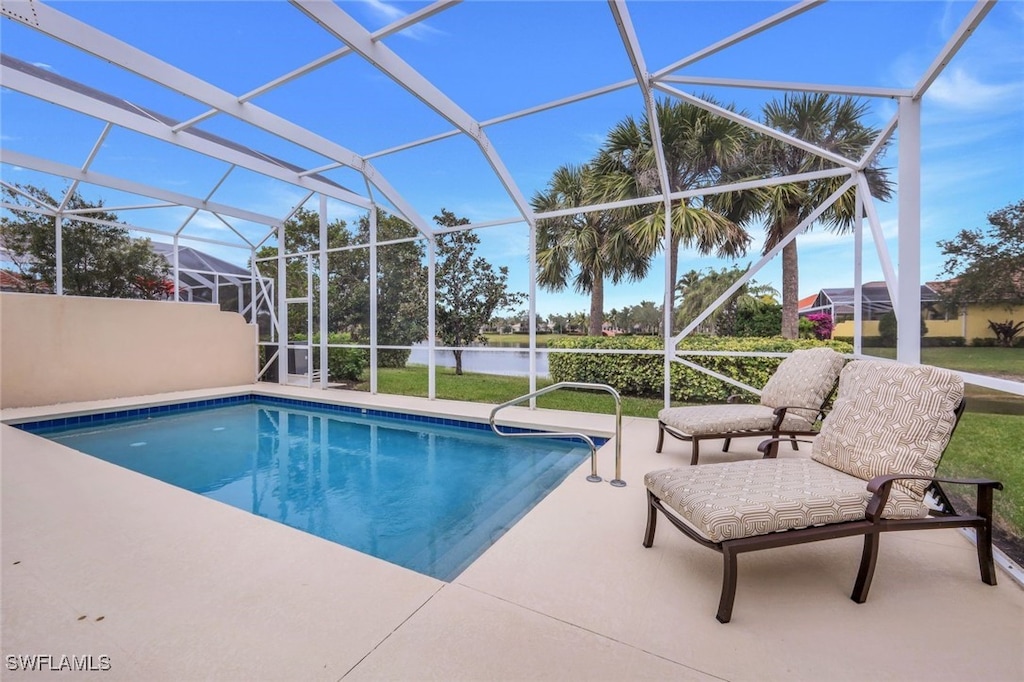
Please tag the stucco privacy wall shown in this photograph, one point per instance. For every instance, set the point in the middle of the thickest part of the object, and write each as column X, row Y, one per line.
column 56, row 349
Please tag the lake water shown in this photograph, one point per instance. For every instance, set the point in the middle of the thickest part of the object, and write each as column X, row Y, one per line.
column 508, row 362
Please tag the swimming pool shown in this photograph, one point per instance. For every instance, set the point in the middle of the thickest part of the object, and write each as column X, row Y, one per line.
column 425, row 493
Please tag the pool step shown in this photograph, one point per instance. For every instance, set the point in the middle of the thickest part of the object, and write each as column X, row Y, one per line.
column 520, row 493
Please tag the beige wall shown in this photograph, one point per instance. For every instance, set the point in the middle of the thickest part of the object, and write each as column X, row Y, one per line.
column 978, row 317
column 976, row 324
column 56, row 349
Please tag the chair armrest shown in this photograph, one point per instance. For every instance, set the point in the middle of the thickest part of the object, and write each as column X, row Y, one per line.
column 780, row 412
column 765, row 446
column 880, row 486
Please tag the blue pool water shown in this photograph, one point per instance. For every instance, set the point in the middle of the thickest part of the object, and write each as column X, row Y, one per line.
column 427, row 496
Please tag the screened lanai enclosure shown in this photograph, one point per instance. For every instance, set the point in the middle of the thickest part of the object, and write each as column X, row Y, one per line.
column 328, row 153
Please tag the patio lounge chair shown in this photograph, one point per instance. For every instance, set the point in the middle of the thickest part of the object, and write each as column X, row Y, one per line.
column 869, row 472
column 791, row 405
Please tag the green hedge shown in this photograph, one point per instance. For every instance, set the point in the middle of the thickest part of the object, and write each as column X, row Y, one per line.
column 642, row 375
column 926, row 341
column 343, row 364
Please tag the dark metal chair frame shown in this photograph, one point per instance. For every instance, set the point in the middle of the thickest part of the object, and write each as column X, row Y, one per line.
column 775, row 432
column 871, row 527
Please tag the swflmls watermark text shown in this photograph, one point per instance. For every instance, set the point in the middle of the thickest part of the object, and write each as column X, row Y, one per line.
column 56, row 663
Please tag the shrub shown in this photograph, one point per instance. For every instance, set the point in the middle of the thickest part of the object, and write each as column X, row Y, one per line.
column 942, row 341
column 642, row 375
column 760, row 321
column 887, row 329
column 391, row 357
column 983, row 343
column 865, row 341
column 345, row 364
column 1005, row 331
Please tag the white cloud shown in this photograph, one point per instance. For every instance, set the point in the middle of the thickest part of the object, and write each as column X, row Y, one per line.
column 958, row 89
column 43, row 65
column 390, row 14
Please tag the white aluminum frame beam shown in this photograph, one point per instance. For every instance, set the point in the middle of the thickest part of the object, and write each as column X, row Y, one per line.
column 338, row 23
column 740, row 36
column 855, row 90
column 759, row 127
column 624, row 24
column 509, row 117
column 752, row 270
column 39, row 88
column 83, row 36
column 78, row 175
column 963, row 32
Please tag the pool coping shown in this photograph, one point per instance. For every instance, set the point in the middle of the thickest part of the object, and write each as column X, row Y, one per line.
column 47, row 425
column 438, row 411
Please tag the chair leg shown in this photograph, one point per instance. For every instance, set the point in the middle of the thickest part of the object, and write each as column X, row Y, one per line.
column 983, row 538
column 728, row 585
column 696, row 451
column 725, row 446
column 867, row 568
column 652, row 520
column 792, row 441
column 661, row 437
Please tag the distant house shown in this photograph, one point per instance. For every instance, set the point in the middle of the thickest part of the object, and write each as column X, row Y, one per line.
column 969, row 323
column 12, row 281
column 204, row 278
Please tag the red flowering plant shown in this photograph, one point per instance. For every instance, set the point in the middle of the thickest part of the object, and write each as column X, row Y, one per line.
column 823, row 325
column 155, row 288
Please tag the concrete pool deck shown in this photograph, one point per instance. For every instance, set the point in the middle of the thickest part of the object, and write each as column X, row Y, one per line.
column 101, row 561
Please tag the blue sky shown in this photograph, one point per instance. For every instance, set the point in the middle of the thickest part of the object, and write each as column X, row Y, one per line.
column 493, row 58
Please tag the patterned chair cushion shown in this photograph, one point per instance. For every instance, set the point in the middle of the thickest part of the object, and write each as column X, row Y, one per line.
column 756, row 497
column 890, row 418
column 703, row 420
column 805, row 378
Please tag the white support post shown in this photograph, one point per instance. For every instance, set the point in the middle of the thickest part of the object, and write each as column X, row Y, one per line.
column 177, row 269
column 282, row 310
column 668, row 340
column 372, row 283
column 253, row 309
column 324, row 353
column 309, row 320
column 858, row 274
column 908, row 311
column 532, row 224
column 431, row 316
column 58, row 231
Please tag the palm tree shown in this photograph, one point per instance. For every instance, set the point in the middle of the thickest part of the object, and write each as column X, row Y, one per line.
column 833, row 124
column 697, row 145
column 587, row 247
column 696, row 291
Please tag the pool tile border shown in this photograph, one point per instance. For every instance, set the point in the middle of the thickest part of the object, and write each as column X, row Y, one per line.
column 44, row 426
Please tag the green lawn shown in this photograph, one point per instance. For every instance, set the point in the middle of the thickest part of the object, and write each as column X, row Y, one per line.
column 985, row 445
column 494, row 389
column 989, row 446
column 998, row 362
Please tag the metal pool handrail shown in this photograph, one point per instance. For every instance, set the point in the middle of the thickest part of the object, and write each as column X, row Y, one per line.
column 593, row 477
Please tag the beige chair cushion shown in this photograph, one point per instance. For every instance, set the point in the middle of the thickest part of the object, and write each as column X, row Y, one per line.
column 756, row 497
column 804, row 379
column 890, row 418
column 703, row 420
